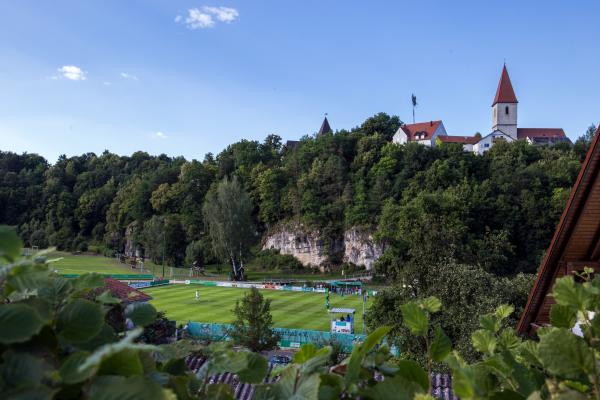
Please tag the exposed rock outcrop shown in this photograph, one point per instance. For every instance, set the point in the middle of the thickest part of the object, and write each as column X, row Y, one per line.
column 356, row 247
column 306, row 246
column 360, row 248
column 132, row 247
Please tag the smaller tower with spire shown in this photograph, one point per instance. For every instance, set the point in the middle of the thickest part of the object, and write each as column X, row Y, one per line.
column 325, row 128
column 504, row 108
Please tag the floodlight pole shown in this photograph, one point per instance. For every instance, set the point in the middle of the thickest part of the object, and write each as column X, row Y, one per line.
column 363, row 318
column 163, row 255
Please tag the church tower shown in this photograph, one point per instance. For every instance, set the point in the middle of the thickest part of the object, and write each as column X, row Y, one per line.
column 504, row 107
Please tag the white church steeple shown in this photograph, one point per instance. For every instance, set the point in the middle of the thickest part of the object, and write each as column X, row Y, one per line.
column 504, row 107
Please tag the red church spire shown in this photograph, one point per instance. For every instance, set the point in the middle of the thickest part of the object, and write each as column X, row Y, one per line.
column 505, row 92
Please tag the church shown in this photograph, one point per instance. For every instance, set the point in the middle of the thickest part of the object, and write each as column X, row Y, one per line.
column 504, row 126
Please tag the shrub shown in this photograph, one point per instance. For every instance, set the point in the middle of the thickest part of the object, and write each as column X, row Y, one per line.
column 273, row 260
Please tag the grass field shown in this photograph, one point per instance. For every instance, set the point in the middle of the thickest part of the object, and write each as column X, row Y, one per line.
column 289, row 309
column 81, row 264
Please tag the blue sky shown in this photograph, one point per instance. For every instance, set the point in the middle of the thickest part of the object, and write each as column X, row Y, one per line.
column 190, row 77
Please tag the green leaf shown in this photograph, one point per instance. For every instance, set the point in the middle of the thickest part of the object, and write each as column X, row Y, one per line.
column 441, row 345
column 88, row 281
column 567, row 293
column 79, row 321
column 564, row 354
column 256, row 369
column 19, row 323
column 106, row 297
column 359, row 353
column 70, row 372
column 125, row 363
column 563, row 316
column 411, row 371
column 431, row 304
column 23, row 369
column 38, row 392
column 133, row 388
column 306, row 352
column 107, row 350
column 509, row 339
column 490, row 322
column 331, row 387
column 504, row 311
column 10, row 244
column 56, row 292
column 141, row 314
column 415, row 318
column 219, row 391
column 484, row 341
column 393, row 388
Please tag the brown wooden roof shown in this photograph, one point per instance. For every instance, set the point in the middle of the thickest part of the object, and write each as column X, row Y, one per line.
column 576, row 242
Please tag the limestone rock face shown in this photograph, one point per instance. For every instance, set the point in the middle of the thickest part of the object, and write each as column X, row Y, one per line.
column 306, row 246
column 131, row 246
column 356, row 247
column 361, row 249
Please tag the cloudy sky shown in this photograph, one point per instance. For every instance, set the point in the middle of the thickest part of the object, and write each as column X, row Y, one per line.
column 190, row 77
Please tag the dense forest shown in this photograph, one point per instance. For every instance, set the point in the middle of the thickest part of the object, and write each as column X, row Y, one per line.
column 497, row 210
column 468, row 228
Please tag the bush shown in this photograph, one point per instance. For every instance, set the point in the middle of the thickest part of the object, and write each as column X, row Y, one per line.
column 272, row 260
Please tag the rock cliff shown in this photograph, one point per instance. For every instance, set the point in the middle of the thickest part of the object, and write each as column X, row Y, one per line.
column 360, row 248
column 356, row 247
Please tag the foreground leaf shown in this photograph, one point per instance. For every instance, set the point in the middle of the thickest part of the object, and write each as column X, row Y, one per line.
column 141, row 314
column 18, row 323
column 80, row 320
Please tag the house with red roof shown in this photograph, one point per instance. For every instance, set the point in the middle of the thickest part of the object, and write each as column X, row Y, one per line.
column 424, row 133
column 504, row 126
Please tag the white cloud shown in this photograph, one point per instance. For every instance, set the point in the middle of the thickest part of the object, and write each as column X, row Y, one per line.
column 223, row 14
column 72, row 72
column 125, row 75
column 106, row 83
column 203, row 18
column 160, row 135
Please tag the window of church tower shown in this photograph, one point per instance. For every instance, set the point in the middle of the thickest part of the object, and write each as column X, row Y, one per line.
column 506, row 110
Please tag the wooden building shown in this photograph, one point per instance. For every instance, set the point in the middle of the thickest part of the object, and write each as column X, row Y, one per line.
column 575, row 245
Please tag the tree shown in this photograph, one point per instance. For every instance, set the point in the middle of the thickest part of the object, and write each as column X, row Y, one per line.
column 252, row 327
column 228, row 214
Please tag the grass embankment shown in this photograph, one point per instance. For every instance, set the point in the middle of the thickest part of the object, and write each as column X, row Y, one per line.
column 84, row 263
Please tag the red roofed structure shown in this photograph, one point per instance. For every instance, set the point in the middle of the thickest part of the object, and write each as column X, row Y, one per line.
column 460, row 139
column 124, row 292
column 421, row 130
column 524, row 133
column 575, row 245
column 505, row 92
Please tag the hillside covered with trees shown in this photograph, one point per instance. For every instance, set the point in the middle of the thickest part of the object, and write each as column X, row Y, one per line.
column 497, row 210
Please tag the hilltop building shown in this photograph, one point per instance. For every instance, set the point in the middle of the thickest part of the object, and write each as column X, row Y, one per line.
column 325, row 129
column 504, row 126
column 424, row 133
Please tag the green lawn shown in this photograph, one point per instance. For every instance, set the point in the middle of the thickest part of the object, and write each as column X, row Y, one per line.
column 81, row 264
column 289, row 309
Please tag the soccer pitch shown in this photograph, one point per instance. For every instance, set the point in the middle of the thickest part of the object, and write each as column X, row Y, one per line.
column 299, row 310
